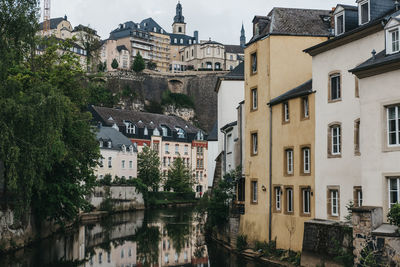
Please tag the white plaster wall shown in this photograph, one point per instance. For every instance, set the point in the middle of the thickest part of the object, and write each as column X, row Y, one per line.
column 376, row 163
column 230, row 94
column 117, row 157
column 212, row 155
column 345, row 171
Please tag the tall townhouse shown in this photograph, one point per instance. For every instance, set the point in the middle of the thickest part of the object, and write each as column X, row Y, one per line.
column 379, row 137
column 274, row 64
column 171, row 136
column 338, row 153
column 292, row 165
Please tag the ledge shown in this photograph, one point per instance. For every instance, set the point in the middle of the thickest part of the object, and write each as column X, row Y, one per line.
column 386, row 230
column 365, row 209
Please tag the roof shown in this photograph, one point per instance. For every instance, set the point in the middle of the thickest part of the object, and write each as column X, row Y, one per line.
column 380, row 60
column 236, row 74
column 234, row 49
column 293, row 21
column 301, row 90
column 213, row 136
column 112, row 116
column 150, row 25
column 117, row 138
column 53, row 23
column 364, row 30
column 211, row 42
column 185, row 38
column 229, row 125
column 348, row 7
column 122, row 47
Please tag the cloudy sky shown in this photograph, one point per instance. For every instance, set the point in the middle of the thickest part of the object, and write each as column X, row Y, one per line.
column 217, row 19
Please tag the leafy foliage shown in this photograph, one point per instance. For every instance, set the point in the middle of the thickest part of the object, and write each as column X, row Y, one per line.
column 101, row 96
column 148, row 238
column 102, row 66
column 394, row 215
column 138, row 63
column 151, row 65
column 179, row 177
column 88, row 40
column 241, row 242
column 114, row 64
column 149, row 168
column 178, row 100
column 154, row 107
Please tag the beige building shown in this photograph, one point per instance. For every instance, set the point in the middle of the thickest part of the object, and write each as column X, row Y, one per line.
column 171, row 136
column 110, row 50
column 274, row 63
column 59, row 27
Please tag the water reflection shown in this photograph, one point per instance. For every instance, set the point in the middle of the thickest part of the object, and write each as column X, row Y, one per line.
column 172, row 237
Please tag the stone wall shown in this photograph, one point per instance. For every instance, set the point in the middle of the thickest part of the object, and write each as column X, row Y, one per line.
column 374, row 241
column 124, row 198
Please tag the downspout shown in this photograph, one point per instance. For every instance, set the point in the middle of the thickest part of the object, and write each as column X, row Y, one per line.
column 224, row 166
column 270, row 174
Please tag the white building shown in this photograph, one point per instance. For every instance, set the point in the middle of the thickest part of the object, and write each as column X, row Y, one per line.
column 119, row 156
column 380, row 116
column 338, row 169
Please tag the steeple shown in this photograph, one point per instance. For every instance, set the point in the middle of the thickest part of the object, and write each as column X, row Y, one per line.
column 179, row 18
column 242, row 37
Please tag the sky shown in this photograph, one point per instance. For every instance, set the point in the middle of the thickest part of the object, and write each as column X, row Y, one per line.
column 220, row 20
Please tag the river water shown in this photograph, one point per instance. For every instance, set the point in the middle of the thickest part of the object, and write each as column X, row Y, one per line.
column 168, row 237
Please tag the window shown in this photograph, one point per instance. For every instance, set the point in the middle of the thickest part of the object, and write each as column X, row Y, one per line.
column 364, row 12
column 130, row 164
column 186, row 149
column 164, row 131
column 109, row 144
column 306, row 195
column 306, row 160
column 335, row 140
column 169, row 162
column 200, row 136
column 334, row 196
column 208, row 50
column 110, row 162
column 130, row 128
column 289, row 161
column 167, row 148
column 306, row 108
column 339, row 24
column 166, row 259
column 241, row 189
column 278, row 198
column 100, row 258
column 101, row 163
column 395, row 40
column 180, row 29
column 177, row 149
column 254, row 144
column 289, row 200
column 145, row 131
column 165, row 161
column 254, row 100
column 394, row 191
column 229, row 143
column 101, row 144
column 181, row 41
column 335, row 93
column 123, row 164
column 253, row 63
column 357, row 137
column 192, row 52
column 286, row 115
column 358, row 198
column 254, row 193
column 393, row 125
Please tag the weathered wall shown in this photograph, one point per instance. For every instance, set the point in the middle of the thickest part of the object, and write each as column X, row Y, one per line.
column 124, row 198
column 150, row 86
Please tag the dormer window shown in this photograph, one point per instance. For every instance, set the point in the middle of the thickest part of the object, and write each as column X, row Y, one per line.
column 146, row 132
column 200, row 136
column 130, row 128
column 363, row 12
column 131, row 148
column 101, row 143
column 394, row 40
column 339, row 23
column 156, row 132
column 180, row 132
column 109, row 145
column 123, row 148
column 164, row 131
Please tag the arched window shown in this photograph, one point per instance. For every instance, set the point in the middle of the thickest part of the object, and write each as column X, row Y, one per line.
column 146, row 132
column 180, row 29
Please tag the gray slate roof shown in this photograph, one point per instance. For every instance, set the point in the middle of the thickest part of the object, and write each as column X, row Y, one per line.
column 122, row 47
column 143, row 119
column 150, row 25
column 53, row 23
column 228, row 125
column 236, row 74
column 301, row 90
column 293, row 21
column 380, row 59
column 235, row 49
column 213, row 136
column 117, row 139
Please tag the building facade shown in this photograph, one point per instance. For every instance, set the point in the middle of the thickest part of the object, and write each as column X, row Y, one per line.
column 269, row 62
column 171, row 136
column 118, row 155
column 338, row 154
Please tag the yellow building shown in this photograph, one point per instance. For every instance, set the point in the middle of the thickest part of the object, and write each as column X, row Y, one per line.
column 160, row 53
column 274, row 64
column 293, row 183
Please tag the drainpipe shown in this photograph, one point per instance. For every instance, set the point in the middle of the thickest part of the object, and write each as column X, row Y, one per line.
column 224, row 165
column 270, row 174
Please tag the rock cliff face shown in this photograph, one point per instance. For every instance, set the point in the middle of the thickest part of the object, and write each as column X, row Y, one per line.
column 148, row 87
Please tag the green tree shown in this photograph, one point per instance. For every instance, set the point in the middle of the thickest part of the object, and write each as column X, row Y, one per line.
column 138, row 64
column 102, row 66
column 46, row 142
column 114, row 64
column 88, row 39
column 151, row 65
column 179, row 177
column 149, row 168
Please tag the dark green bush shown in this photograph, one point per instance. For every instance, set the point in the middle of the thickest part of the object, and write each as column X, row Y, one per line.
column 394, row 215
column 178, row 100
column 241, row 242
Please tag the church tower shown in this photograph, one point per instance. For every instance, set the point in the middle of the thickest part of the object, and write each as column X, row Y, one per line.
column 242, row 37
column 179, row 25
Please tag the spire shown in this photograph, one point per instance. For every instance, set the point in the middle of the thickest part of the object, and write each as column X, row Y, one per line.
column 179, row 18
column 242, row 37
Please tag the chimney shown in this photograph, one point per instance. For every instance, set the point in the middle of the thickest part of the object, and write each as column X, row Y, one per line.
column 196, row 36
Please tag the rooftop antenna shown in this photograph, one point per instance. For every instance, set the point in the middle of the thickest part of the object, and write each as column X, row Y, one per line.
column 46, row 17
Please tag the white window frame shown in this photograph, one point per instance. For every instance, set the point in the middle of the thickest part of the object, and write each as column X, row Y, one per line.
column 397, row 126
column 336, row 23
column 306, row 160
column 110, row 162
column 359, row 197
column 397, row 190
column 278, row 198
column 336, row 134
column 306, row 106
column 289, row 161
column 145, row 131
column 289, row 199
column 130, row 164
column 334, row 195
column 176, row 148
column 254, row 140
column 306, row 205
column 123, row 164
column 338, row 88
column 130, row 128
column 286, row 111
column 254, row 97
column 254, row 188
column 360, row 12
